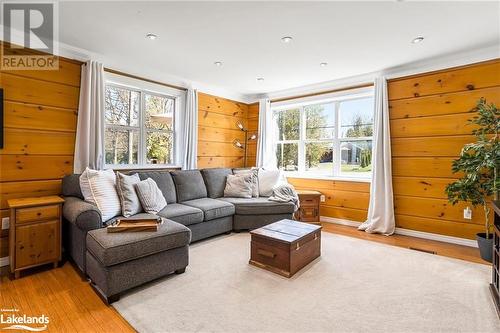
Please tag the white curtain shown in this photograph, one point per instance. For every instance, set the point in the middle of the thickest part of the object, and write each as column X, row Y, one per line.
column 381, row 208
column 89, row 144
column 190, row 131
column 266, row 144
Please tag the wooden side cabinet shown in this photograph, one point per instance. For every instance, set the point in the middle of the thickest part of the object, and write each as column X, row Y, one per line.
column 309, row 206
column 35, row 232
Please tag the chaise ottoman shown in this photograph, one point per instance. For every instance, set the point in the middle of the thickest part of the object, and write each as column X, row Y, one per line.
column 120, row 261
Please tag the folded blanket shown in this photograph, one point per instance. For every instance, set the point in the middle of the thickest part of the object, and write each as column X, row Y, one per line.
column 285, row 193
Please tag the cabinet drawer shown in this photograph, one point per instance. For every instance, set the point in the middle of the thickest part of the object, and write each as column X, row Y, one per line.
column 309, row 201
column 37, row 213
column 309, row 214
column 37, row 243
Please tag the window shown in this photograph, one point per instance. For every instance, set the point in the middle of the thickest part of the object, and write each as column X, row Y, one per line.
column 329, row 136
column 139, row 126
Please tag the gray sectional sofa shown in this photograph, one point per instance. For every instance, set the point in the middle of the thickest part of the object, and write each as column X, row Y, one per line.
column 196, row 209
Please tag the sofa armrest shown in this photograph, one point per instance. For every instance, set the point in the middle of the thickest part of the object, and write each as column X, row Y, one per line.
column 81, row 213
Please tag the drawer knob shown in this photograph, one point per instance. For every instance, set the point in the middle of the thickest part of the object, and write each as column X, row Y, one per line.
column 39, row 213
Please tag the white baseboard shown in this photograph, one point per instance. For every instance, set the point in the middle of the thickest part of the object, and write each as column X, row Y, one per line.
column 408, row 232
column 4, row 261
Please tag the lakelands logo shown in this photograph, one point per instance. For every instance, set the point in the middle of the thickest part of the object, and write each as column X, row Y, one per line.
column 29, row 35
column 15, row 321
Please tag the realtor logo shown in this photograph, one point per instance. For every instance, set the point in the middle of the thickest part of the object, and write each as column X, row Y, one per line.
column 10, row 319
column 29, row 35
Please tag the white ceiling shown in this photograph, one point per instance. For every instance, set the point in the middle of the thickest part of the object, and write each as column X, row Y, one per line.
column 353, row 37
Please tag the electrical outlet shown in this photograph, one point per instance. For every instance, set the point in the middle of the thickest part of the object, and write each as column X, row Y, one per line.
column 5, row 223
column 467, row 213
column 322, row 198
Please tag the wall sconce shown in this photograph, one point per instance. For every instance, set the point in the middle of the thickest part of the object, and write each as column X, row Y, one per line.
column 238, row 144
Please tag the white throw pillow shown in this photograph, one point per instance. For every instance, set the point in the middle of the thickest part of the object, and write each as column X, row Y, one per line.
column 267, row 180
column 255, row 179
column 150, row 195
column 126, row 192
column 239, row 186
column 99, row 188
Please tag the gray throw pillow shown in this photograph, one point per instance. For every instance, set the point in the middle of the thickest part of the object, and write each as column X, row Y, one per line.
column 131, row 204
column 239, row 186
column 150, row 195
column 255, row 179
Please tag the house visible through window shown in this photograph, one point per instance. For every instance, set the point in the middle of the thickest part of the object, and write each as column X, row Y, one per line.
column 139, row 127
column 326, row 136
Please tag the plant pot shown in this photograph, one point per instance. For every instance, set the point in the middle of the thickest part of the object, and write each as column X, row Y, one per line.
column 485, row 246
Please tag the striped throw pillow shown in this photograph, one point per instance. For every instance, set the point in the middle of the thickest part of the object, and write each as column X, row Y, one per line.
column 99, row 188
column 152, row 200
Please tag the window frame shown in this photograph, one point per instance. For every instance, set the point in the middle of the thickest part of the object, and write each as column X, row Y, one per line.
column 145, row 88
column 336, row 98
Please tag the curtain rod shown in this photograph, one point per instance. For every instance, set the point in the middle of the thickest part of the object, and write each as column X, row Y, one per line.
column 113, row 71
column 364, row 85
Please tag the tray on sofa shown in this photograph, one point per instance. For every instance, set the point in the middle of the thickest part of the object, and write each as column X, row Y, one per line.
column 135, row 224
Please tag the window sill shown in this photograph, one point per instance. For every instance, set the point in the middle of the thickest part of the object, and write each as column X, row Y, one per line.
column 321, row 177
column 143, row 167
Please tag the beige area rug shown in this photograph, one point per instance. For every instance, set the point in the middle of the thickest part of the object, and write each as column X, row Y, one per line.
column 356, row 286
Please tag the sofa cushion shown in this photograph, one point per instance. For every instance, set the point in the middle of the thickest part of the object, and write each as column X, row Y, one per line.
column 71, row 186
column 215, row 181
column 259, row 206
column 212, row 208
column 189, row 185
column 183, row 214
column 164, row 181
column 114, row 248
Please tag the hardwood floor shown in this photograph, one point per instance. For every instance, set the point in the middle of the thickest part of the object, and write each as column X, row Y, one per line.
column 63, row 296
column 72, row 305
column 439, row 248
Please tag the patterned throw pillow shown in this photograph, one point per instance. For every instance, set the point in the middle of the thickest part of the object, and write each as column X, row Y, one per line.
column 239, row 186
column 99, row 188
column 131, row 204
column 150, row 195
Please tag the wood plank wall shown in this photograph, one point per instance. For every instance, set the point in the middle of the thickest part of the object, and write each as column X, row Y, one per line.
column 253, row 128
column 40, row 113
column 217, row 118
column 428, row 115
column 345, row 200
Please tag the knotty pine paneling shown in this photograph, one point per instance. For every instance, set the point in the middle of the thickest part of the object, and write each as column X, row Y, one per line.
column 40, row 115
column 217, row 119
column 429, row 114
column 21, row 115
column 460, row 79
column 442, row 104
column 343, row 199
column 253, row 127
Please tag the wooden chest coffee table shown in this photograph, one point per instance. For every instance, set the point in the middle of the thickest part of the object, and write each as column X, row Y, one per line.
column 286, row 246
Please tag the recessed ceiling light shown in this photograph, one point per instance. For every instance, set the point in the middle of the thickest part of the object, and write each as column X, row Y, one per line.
column 151, row 36
column 286, row 39
column 218, row 63
column 323, row 64
column 260, row 79
column 417, row 40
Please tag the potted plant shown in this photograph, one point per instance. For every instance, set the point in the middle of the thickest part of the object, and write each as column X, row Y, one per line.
column 479, row 162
